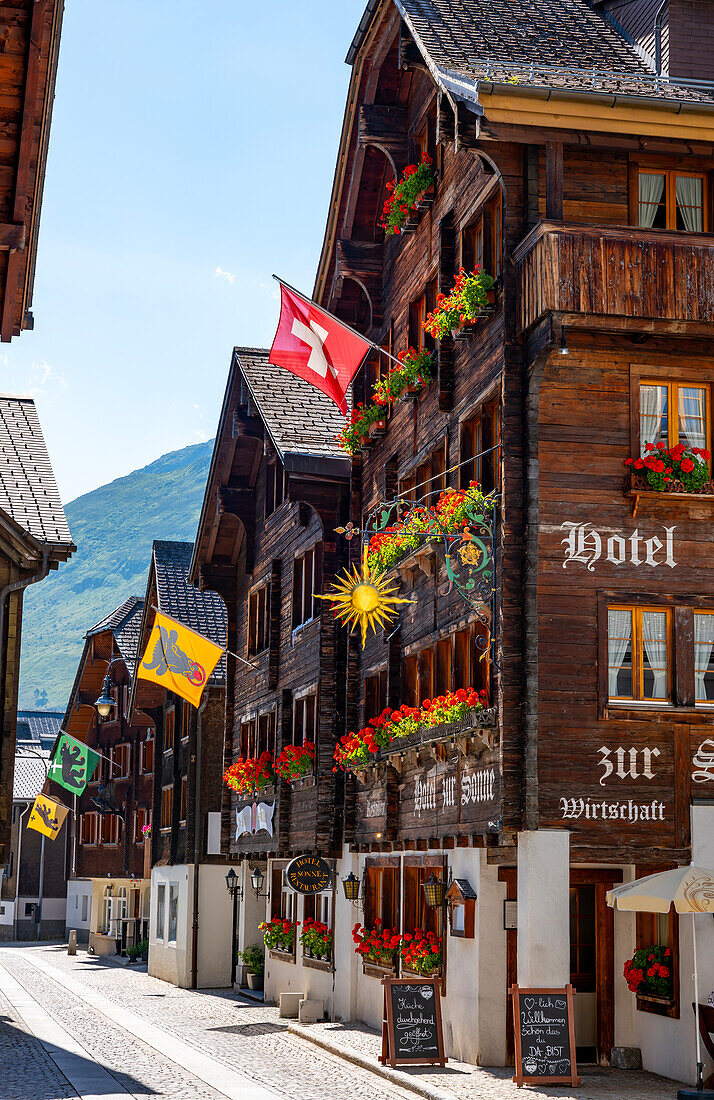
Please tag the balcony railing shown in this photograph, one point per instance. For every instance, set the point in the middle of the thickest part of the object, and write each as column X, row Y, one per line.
column 610, row 271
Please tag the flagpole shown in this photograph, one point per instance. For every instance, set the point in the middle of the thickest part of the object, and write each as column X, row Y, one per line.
column 365, row 339
column 256, row 668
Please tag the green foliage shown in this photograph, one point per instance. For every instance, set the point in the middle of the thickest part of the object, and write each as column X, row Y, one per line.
column 113, row 527
column 140, row 951
column 254, row 958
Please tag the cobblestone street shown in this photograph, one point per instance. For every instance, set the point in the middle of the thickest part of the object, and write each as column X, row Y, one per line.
column 83, row 1027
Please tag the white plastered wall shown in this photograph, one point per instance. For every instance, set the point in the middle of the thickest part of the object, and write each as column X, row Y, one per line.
column 77, row 891
column 172, row 960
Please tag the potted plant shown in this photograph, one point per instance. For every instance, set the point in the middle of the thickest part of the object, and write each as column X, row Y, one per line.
column 421, row 952
column 377, row 945
column 279, row 934
column 649, row 972
column 139, row 952
column 253, row 958
column 678, row 469
column 355, row 433
column 250, row 775
column 406, row 195
column 414, row 372
column 316, row 939
column 295, row 761
column 457, row 312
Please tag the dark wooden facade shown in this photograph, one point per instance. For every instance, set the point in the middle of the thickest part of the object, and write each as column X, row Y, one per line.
column 254, row 532
column 111, row 846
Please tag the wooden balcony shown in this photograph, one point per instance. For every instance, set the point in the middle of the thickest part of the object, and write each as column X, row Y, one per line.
column 661, row 279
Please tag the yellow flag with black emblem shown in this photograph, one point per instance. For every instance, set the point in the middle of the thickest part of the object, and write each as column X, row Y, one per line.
column 178, row 659
column 47, row 816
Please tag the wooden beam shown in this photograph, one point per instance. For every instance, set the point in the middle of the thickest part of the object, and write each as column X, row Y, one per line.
column 554, row 180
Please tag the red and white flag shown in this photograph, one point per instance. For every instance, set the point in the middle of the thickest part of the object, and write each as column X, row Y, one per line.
column 316, row 346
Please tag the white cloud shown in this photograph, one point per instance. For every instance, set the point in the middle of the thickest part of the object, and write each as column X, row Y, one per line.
column 200, row 437
column 227, row 276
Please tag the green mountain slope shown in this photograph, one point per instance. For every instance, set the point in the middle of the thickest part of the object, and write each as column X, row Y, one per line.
column 113, row 528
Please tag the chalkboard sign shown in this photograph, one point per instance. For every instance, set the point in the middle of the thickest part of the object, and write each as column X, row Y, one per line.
column 544, row 1027
column 411, row 1026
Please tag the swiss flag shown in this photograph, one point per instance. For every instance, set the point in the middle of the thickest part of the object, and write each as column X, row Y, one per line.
column 316, row 346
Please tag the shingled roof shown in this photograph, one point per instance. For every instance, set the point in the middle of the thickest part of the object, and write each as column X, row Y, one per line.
column 30, row 775
column 28, row 491
column 531, row 44
column 125, row 624
column 38, row 727
column 299, row 418
column 204, row 612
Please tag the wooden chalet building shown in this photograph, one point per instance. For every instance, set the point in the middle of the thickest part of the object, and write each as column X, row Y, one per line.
column 277, row 487
column 34, row 539
column 191, row 926
column 30, row 36
column 583, row 180
column 108, row 887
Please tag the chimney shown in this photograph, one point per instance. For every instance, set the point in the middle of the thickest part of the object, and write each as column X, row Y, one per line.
column 674, row 36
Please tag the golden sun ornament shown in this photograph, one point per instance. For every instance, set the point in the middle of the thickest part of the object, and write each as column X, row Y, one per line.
column 364, row 597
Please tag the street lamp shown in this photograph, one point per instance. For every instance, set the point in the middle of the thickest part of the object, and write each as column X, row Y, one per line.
column 257, row 879
column 235, row 892
column 434, row 891
column 105, row 703
column 351, row 885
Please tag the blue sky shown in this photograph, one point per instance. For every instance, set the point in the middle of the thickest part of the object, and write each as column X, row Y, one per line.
column 192, row 153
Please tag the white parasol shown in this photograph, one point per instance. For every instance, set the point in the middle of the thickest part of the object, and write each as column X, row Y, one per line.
column 690, row 890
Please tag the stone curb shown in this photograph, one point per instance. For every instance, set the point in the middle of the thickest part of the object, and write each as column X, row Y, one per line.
column 395, row 1077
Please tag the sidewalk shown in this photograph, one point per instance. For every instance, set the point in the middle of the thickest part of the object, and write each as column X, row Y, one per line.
column 362, row 1045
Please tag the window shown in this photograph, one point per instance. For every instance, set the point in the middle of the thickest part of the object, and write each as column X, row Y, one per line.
column 173, row 912
column 428, row 481
column 638, row 654
column 259, row 620
column 141, row 818
column 247, row 739
column 185, row 721
column 85, row 906
column 582, row 938
column 169, row 725
column 704, row 657
column 282, row 901
column 167, row 807
column 266, row 733
column 410, row 689
column 482, row 238
column 111, row 829
column 375, row 694
column 672, row 200
column 160, row 910
column 305, row 583
column 305, row 719
column 659, row 930
column 146, row 757
column 89, row 834
column 275, row 486
column 674, row 412
column 480, row 449
column 442, row 682
column 417, row 914
column 7, row 869
column 184, row 800
column 417, row 317
column 106, row 909
column 382, row 896
column 121, row 759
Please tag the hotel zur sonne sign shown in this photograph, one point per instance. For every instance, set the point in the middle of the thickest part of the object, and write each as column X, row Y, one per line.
column 308, row 875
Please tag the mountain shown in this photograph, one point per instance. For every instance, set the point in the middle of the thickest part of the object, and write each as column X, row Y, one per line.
column 113, row 528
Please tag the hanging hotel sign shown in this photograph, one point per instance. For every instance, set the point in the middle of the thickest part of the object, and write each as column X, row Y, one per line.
column 308, row 875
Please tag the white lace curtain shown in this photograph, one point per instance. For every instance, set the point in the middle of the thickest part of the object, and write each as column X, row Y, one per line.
column 703, row 645
column 690, row 204
column 692, row 416
column 650, row 415
column 654, row 637
column 619, row 638
column 651, row 194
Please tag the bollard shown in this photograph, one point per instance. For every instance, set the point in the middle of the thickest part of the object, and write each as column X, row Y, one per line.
column 72, row 945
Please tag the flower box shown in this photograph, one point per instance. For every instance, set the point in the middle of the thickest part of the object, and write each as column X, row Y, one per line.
column 638, row 488
column 415, row 186
column 465, row 329
column 475, row 721
column 467, row 301
column 318, row 964
column 282, row 956
column 378, row 427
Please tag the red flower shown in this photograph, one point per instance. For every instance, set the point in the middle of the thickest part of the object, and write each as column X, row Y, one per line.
column 687, row 465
